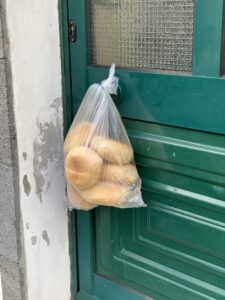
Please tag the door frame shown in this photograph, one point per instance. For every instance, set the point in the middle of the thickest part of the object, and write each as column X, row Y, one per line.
column 67, row 120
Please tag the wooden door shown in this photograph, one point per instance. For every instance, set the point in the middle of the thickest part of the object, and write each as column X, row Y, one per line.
column 173, row 107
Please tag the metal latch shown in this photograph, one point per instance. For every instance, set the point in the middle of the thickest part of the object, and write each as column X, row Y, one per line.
column 72, row 31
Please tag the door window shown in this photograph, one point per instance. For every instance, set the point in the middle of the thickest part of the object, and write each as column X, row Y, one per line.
column 147, row 34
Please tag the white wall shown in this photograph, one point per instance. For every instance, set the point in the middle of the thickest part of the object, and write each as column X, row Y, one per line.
column 33, row 30
column 1, row 298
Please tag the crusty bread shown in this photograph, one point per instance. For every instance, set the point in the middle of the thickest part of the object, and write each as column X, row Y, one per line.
column 79, row 135
column 83, row 167
column 106, row 193
column 122, row 174
column 76, row 200
column 112, row 151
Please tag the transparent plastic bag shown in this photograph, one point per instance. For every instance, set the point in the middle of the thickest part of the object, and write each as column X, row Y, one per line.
column 99, row 159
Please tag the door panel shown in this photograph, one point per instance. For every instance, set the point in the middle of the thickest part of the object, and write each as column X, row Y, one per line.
column 178, row 100
column 174, row 248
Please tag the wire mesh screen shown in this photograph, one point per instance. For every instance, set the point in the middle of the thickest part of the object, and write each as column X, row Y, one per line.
column 146, row 34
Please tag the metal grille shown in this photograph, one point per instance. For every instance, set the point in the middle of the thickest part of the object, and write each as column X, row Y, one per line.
column 146, row 34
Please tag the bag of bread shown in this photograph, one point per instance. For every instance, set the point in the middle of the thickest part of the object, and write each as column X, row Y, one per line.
column 99, row 159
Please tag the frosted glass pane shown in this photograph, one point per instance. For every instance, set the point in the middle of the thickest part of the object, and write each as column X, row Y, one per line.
column 151, row 34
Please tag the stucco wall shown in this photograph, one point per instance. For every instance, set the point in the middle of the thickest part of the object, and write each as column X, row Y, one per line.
column 38, row 201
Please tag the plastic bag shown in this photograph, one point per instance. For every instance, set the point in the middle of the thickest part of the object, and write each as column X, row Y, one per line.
column 99, row 159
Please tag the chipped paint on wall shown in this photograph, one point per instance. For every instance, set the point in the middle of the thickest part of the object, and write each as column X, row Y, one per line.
column 26, row 185
column 46, row 237
column 33, row 240
column 46, row 147
column 37, row 94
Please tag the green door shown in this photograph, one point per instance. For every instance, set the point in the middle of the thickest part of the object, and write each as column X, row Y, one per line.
column 170, row 65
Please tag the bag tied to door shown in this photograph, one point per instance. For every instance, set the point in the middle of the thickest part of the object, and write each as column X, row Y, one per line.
column 99, row 159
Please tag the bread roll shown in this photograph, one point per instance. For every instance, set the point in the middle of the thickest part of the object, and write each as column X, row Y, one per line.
column 76, row 200
column 83, row 167
column 79, row 135
column 123, row 174
column 106, row 193
column 112, row 151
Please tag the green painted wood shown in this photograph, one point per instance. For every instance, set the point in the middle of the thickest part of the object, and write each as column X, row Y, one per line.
column 174, row 248
column 85, row 296
column 78, row 52
column 89, row 282
column 207, row 37
column 85, row 252
column 178, row 100
column 73, row 252
column 109, row 290
column 67, row 118
column 65, row 59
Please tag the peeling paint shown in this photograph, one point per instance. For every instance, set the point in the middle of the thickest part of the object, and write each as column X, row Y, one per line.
column 34, row 240
column 24, row 155
column 56, row 104
column 47, row 263
column 46, row 148
column 46, row 237
column 26, row 185
column 48, row 185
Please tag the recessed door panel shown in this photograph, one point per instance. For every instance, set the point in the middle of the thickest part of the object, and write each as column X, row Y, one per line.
column 176, row 246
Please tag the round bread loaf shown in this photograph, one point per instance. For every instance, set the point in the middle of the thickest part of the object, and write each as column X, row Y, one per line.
column 123, row 174
column 79, row 135
column 106, row 193
column 83, row 167
column 112, row 151
column 76, row 200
